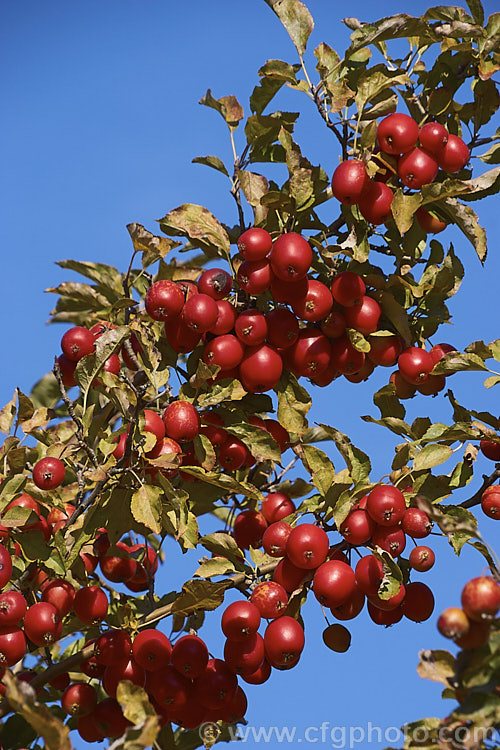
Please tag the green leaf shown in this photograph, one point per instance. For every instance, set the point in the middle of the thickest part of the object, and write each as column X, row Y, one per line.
column 22, row 700
column 46, row 392
column 204, row 452
column 357, row 462
column 8, row 414
column 224, row 545
column 196, row 595
column 224, row 481
column 262, row 94
column 431, row 455
column 388, row 403
column 254, row 186
column 319, row 467
column 223, row 390
column 296, row 19
column 375, row 80
column 259, row 442
column 146, row 507
column 137, row 709
column 438, row 666
column 217, row 566
column 491, row 381
column 328, row 64
column 227, row 106
column 403, row 209
column 279, row 70
column 211, row 161
column 396, row 314
column 294, row 403
column 468, row 222
column 199, row 225
column 151, row 247
column 458, row 362
column 393, row 577
column 89, row 367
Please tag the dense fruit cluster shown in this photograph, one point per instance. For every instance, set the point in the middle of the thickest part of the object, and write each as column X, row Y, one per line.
column 470, row 625
column 407, row 156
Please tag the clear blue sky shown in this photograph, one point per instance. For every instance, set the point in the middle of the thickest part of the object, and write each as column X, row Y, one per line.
column 100, row 122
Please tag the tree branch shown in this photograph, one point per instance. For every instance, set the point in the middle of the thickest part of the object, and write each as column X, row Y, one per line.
column 487, row 482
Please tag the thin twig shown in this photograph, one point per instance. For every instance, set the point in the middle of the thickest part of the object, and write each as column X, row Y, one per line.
column 487, row 482
column 71, row 411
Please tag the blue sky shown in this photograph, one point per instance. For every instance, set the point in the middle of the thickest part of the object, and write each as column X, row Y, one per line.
column 100, row 122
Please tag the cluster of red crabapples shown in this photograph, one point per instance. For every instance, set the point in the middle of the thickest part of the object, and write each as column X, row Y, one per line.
column 380, row 520
column 407, row 156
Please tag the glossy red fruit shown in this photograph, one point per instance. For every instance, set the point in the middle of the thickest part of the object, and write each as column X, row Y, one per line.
column 260, row 676
column 284, row 641
column 168, row 448
column 454, row 156
column 326, row 376
column 111, row 365
column 417, row 168
column 181, row 421
column 226, row 351
column 429, row 223
column 333, row 583
column 151, row 650
column 350, row 180
column 337, row 638
column 216, row 685
column 288, row 291
column 351, row 607
column 403, row 388
column 154, row 423
column 76, row 343
column 245, row 657
column 391, row 538
column 123, row 670
column 240, row 620
column 307, row 546
column 67, row 368
column 5, row 566
column 388, row 604
column 282, row 328
column 181, row 337
column 278, row 433
column 91, row 604
column 214, row 430
column 164, row 300
column 311, row 353
column 276, row 505
column 216, row 283
column 237, row 707
column 261, row 368
column 375, row 205
column 333, row 325
column 384, row 617
column 439, row 351
column 255, row 276
column 12, row 608
column 364, row 316
column 358, row 527
column 60, row 682
column 275, row 538
column 481, row 598
column 453, row 623
column 315, row 304
column 490, row 449
column 255, row 244
column 79, row 699
column 289, row 575
column 190, row 656
column 42, row 624
column 233, row 454
column 200, row 313
column 397, row 133
column 344, row 357
column 226, row 318
column 362, row 374
column 117, row 565
column 418, row 604
column 476, row 636
column 108, row 718
column 251, row 327
column 416, row 523
column 422, row 558
column 490, row 503
column 415, row 364
column 386, row 505
column 112, row 647
column 348, row 288
column 433, row 385
column 433, row 136
column 249, row 527
column 291, row 257
column 270, row 598
column 60, row 593
column 12, row 645
column 385, row 350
